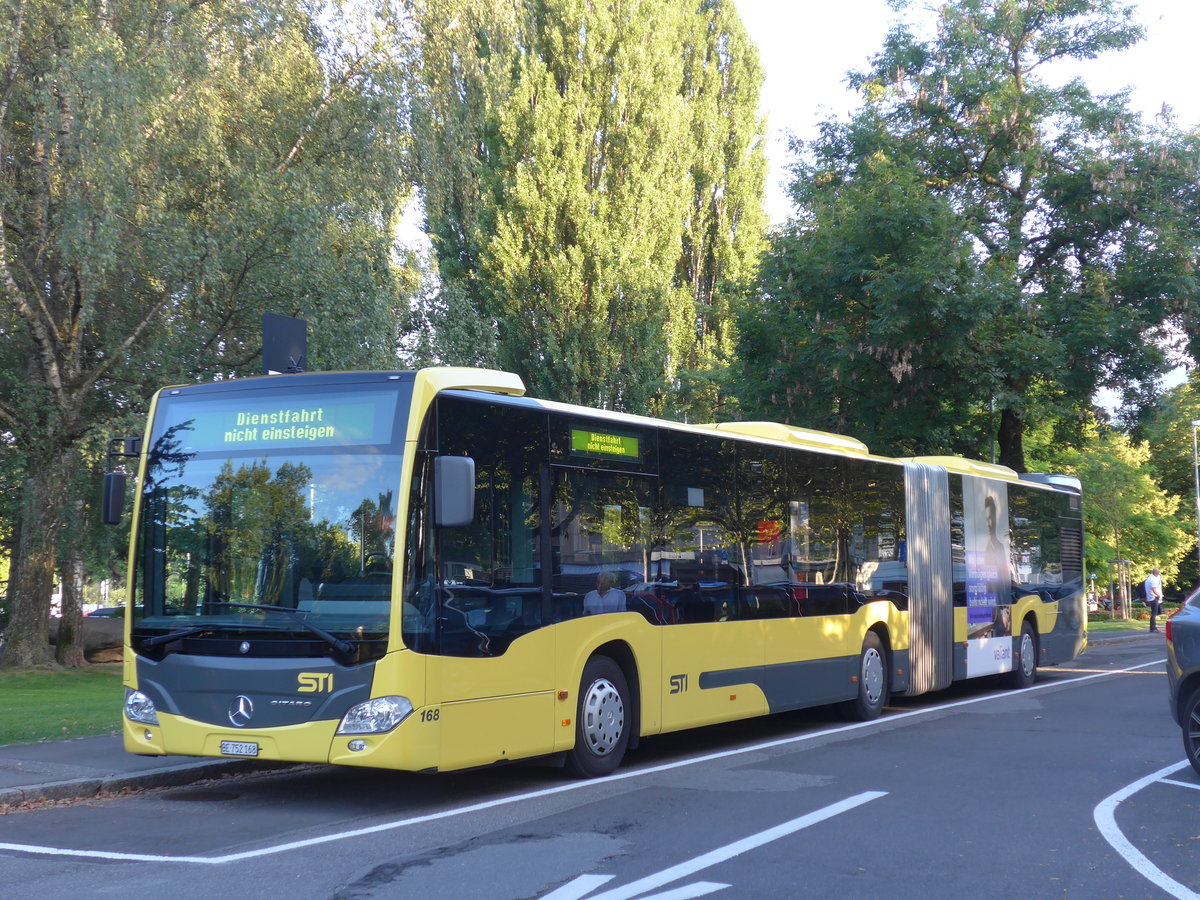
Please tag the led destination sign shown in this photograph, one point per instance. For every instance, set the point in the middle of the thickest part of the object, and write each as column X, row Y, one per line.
column 208, row 423
column 306, row 424
column 604, row 444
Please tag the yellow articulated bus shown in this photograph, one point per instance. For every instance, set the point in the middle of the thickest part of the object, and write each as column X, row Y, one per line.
column 429, row 571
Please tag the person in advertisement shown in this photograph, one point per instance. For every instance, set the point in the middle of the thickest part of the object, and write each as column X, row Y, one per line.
column 989, row 614
column 1154, row 595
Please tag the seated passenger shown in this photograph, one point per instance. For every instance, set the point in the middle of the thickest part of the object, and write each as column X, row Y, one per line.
column 605, row 598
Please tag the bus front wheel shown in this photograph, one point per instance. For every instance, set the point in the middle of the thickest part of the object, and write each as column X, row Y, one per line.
column 602, row 720
column 872, row 682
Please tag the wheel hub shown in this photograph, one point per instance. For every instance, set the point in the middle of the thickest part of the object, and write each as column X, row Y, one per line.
column 872, row 675
column 603, row 717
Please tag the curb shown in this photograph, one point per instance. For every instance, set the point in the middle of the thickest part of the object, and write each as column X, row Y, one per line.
column 170, row 776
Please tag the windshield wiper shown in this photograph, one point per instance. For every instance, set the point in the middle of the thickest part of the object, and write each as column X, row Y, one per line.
column 337, row 643
column 189, row 632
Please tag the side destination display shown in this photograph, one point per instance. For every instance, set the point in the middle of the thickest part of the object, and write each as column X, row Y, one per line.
column 259, row 423
column 586, row 442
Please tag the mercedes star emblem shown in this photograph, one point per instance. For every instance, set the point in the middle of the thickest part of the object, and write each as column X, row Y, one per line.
column 240, row 710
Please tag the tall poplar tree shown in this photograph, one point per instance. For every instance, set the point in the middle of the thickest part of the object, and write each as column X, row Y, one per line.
column 725, row 225
column 561, row 146
column 1079, row 235
column 168, row 172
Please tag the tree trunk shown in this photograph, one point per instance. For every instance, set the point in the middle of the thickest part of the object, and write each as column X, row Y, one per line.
column 41, row 516
column 68, row 649
column 1012, row 440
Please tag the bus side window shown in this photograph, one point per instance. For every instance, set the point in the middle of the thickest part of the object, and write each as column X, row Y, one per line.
column 600, row 534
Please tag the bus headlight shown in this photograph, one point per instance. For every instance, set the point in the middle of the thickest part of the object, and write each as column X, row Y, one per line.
column 375, row 716
column 140, row 708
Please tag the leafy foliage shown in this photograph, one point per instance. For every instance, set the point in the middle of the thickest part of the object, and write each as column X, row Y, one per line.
column 1063, row 223
column 592, row 177
column 1127, row 515
column 170, row 172
column 1170, row 435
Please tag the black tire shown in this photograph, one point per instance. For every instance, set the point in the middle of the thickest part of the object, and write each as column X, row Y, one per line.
column 1024, row 671
column 1189, row 716
column 873, row 682
column 603, row 719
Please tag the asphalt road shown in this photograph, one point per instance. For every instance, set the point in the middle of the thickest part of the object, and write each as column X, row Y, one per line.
column 1072, row 788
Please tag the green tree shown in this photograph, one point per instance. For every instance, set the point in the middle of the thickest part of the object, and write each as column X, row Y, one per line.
column 1169, row 434
column 840, row 337
column 1076, row 218
column 169, row 172
column 1127, row 515
column 560, row 172
column 724, row 233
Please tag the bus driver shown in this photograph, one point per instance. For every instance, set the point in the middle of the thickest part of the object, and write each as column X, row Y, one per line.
column 605, row 598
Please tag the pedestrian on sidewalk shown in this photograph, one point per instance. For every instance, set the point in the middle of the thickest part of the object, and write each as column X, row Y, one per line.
column 1153, row 587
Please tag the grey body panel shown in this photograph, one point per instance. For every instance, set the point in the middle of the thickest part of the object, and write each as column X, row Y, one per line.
column 792, row 685
column 930, row 578
column 798, row 685
column 202, row 688
column 1066, row 641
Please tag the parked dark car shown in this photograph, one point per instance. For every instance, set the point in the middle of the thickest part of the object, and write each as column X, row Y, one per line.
column 1183, row 673
column 107, row 612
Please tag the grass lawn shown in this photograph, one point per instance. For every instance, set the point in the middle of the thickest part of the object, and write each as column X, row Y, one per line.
column 1101, row 622
column 55, row 704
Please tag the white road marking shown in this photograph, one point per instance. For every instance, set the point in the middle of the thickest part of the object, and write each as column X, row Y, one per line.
column 688, row 891
column 578, row 887
column 1105, row 818
column 562, row 788
column 571, row 890
column 713, row 857
column 1185, row 784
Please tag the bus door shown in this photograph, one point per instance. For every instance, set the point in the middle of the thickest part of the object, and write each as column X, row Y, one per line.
column 491, row 670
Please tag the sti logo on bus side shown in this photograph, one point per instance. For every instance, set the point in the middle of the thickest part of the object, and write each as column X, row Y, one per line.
column 315, row 683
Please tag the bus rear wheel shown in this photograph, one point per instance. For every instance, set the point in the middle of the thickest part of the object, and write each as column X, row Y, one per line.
column 872, row 682
column 1024, row 673
column 602, row 720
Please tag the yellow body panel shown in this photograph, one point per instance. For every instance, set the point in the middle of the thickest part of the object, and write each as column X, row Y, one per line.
column 176, row 735
column 691, row 650
column 822, row 637
column 495, row 708
column 1045, row 614
column 478, row 732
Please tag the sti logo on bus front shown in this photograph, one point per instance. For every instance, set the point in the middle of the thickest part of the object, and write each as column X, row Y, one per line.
column 315, row 683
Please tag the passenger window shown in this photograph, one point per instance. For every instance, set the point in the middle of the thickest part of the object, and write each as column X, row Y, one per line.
column 875, row 512
column 697, row 564
column 600, row 533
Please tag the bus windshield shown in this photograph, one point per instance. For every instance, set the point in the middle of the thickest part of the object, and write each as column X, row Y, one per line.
column 256, row 503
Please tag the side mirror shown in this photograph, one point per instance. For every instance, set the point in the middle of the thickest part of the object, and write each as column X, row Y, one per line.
column 453, row 491
column 114, row 498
